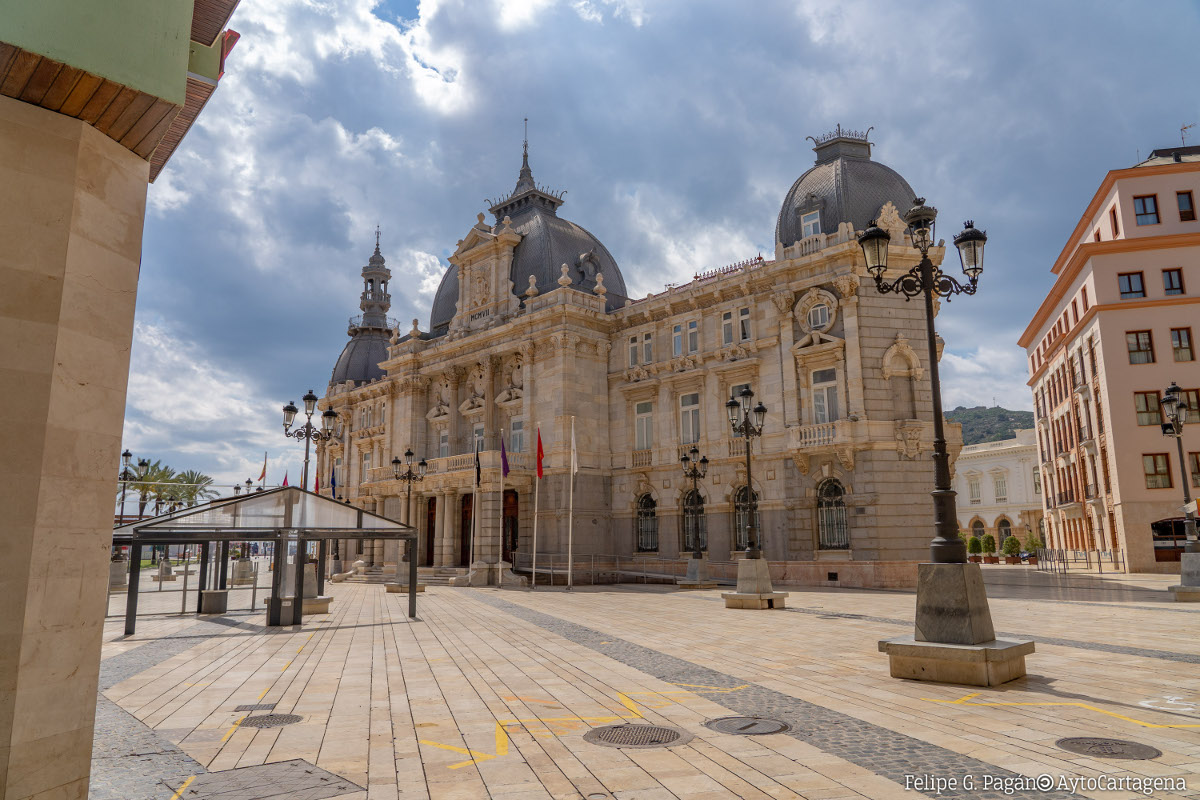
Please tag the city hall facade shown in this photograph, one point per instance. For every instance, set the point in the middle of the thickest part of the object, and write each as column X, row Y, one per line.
column 532, row 328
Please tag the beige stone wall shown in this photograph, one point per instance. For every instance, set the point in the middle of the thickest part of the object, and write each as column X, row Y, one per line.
column 71, row 215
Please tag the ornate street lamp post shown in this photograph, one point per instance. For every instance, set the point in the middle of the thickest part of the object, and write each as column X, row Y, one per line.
column 1175, row 410
column 694, row 468
column 953, row 634
column 308, row 433
column 929, row 280
column 748, row 423
column 126, row 477
column 410, row 477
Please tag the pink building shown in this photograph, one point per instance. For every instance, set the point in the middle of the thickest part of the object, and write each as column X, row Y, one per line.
column 1115, row 330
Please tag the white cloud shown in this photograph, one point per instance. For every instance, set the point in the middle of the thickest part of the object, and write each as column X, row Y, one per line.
column 993, row 375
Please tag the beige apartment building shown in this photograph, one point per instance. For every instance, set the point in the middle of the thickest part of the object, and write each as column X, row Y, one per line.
column 1116, row 329
column 533, row 327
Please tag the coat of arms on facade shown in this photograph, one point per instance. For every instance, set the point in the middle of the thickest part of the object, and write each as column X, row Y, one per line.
column 908, row 438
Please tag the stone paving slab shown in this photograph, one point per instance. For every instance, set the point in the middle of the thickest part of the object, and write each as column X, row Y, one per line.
column 286, row 780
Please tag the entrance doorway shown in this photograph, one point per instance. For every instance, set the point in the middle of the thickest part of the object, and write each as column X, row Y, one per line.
column 508, row 544
column 464, row 542
column 431, row 520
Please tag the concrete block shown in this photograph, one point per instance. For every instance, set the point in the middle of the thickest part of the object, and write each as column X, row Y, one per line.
column 755, row 600
column 952, row 606
column 984, row 664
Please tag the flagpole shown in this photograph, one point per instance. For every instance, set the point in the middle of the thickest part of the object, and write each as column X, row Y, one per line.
column 500, row 559
column 571, row 514
column 537, row 484
column 474, row 509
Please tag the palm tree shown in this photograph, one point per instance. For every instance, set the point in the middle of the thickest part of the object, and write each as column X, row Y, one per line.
column 195, row 487
column 153, row 483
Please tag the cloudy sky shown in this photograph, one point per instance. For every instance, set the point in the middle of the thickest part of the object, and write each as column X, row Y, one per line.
column 676, row 127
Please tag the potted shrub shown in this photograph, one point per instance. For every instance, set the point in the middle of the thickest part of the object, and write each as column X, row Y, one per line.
column 974, row 547
column 1032, row 543
column 1012, row 550
column 989, row 549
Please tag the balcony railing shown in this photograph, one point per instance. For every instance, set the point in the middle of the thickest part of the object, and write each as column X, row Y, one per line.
column 820, row 435
column 642, row 458
column 1066, row 497
column 1089, row 491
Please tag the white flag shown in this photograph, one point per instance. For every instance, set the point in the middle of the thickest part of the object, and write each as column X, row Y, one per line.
column 574, row 454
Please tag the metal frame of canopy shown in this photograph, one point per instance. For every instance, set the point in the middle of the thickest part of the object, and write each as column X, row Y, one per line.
column 173, row 528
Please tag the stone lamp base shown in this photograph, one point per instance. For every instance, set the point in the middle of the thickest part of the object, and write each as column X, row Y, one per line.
column 954, row 641
column 697, row 575
column 1188, row 590
column 754, row 589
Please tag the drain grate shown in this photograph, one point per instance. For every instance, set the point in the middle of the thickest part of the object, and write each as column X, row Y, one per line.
column 1100, row 747
column 637, row 736
column 747, row 726
column 271, row 720
column 259, row 707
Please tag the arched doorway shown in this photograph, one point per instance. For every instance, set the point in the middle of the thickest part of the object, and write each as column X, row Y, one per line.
column 508, row 545
column 647, row 524
column 1003, row 531
column 464, row 533
column 743, row 500
column 694, row 527
column 431, row 521
column 832, row 531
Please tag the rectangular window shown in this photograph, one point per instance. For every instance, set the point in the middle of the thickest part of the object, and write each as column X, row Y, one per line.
column 693, row 340
column 1194, row 468
column 1037, row 481
column 810, row 224
column 1172, row 281
column 1000, row 485
column 647, row 348
column 477, row 437
column 516, row 436
column 1181, row 343
column 1074, row 312
column 727, row 328
column 1187, row 208
column 339, row 476
column 633, row 351
column 744, row 324
column 974, row 491
column 1085, row 300
column 1131, row 285
column 825, row 398
column 443, row 444
column 677, row 340
column 1141, row 347
column 689, row 418
column 644, row 426
column 1148, row 410
column 366, row 468
column 1096, row 235
column 735, row 392
column 1112, row 221
column 1145, row 209
column 1192, row 398
column 1158, row 471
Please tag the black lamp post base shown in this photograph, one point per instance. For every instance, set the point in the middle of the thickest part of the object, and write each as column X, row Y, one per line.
column 948, row 551
column 755, row 553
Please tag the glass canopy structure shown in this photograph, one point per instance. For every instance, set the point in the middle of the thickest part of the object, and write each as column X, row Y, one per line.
column 288, row 517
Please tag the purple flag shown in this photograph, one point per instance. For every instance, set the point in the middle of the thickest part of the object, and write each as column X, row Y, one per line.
column 503, row 458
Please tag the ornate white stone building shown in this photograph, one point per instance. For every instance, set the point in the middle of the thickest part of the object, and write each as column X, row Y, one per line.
column 999, row 487
column 532, row 326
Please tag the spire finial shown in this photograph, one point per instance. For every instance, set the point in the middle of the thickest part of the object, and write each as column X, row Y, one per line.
column 377, row 240
column 526, row 145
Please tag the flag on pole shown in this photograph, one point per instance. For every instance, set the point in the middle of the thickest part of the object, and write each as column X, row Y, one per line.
column 263, row 476
column 540, row 453
column 503, row 458
column 477, row 475
column 317, row 483
column 333, row 483
column 285, row 483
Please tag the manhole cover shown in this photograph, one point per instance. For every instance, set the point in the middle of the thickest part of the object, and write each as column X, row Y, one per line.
column 637, row 736
column 270, row 720
column 258, row 707
column 747, row 726
column 1108, row 748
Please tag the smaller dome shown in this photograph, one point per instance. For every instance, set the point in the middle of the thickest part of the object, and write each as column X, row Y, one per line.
column 445, row 302
column 360, row 358
column 845, row 185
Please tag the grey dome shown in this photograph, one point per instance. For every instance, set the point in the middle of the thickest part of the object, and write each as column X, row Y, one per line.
column 548, row 241
column 359, row 361
column 845, row 186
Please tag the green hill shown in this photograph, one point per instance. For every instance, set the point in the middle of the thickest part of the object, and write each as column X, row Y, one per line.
column 982, row 424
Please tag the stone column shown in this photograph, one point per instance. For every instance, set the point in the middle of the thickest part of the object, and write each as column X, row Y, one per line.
column 783, row 306
column 855, row 402
column 444, row 551
column 71, row 213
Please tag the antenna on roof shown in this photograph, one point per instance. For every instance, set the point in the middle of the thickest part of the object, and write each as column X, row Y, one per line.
column 1183, row 133
column 526, row 150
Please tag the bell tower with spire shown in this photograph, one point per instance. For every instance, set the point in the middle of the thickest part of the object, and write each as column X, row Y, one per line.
column 375, row 300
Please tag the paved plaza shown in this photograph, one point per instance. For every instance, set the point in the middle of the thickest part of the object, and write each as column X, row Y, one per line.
column 490, row 693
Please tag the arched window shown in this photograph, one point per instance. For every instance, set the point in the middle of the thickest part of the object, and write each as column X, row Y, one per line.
column 977, row 529
column 1003, row 530
column 647, row 524
column 831, row 516
column 741, row 516
column 693, row 522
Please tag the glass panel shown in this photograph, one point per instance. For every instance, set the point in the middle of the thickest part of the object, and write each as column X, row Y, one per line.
column 647, row 349
column 744, row 323
column 693, row 337
column 266, row 510
column 810, row 224
column 727, row 328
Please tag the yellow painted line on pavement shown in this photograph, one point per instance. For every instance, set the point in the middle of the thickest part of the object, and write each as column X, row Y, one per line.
column 475, row 757
column 264, row 693
column 179, row 791
column 632, row 706
column 229, row 732
column 285, row 666
column 962, row 701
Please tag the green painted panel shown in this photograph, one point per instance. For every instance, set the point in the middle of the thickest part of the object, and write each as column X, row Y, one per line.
column 142, row 44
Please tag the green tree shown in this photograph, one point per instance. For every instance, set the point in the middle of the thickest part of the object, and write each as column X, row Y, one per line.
column 989, row 544
column 154, row 483
column 194, row 487
column 974, row 546
column 1011, row 546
